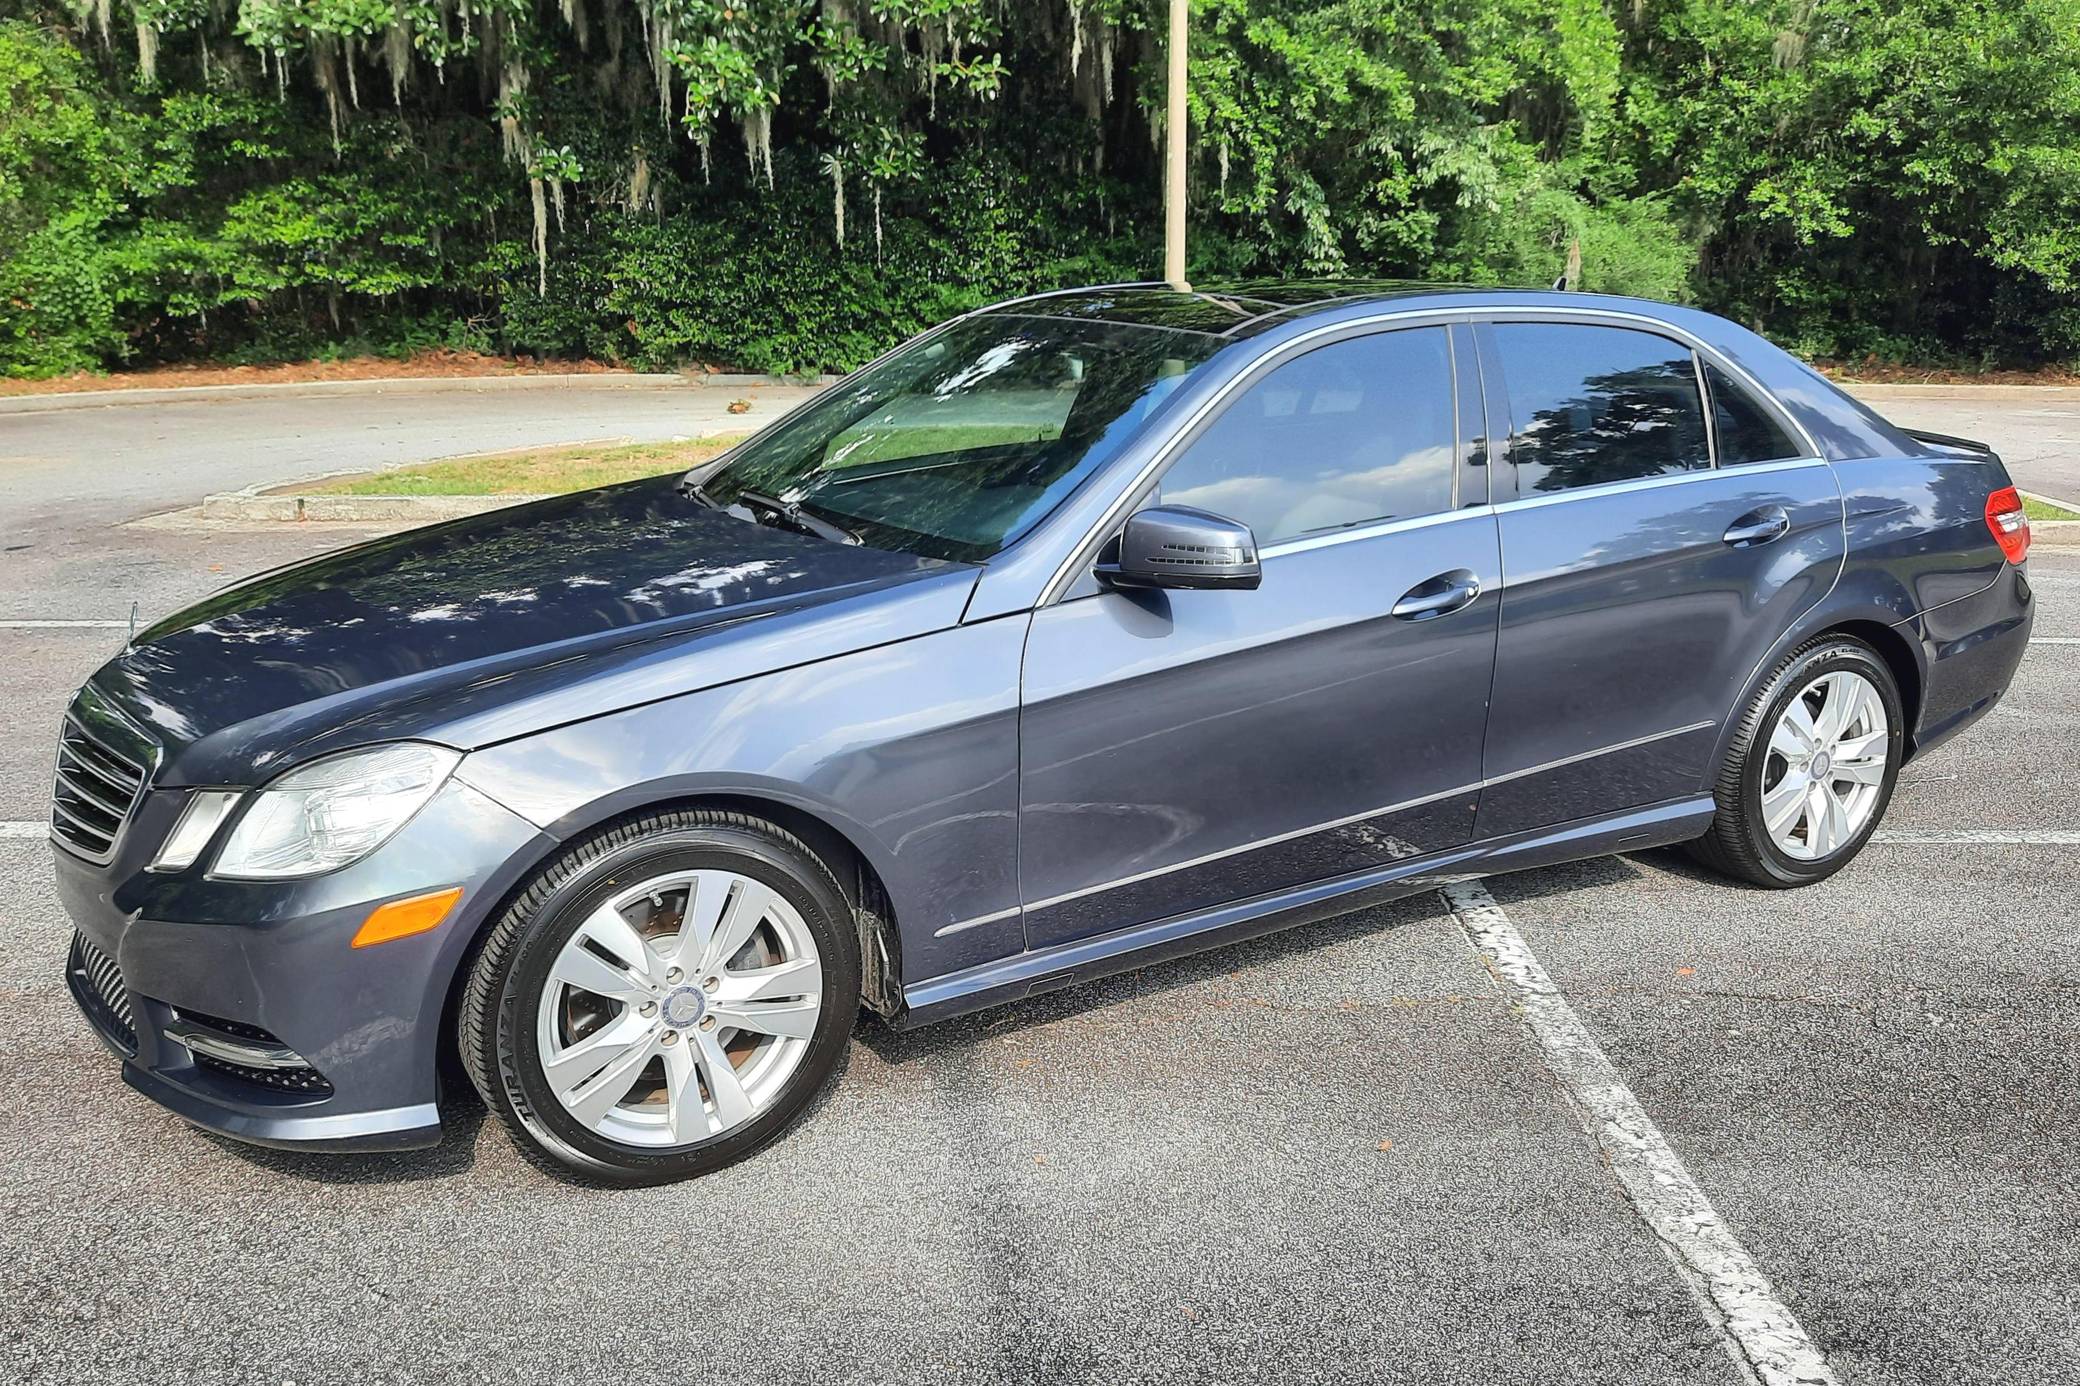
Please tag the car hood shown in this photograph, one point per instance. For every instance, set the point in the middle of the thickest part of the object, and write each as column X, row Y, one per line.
column 488, row 627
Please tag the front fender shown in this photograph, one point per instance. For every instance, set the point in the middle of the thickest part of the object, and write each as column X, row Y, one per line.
column 909, row 750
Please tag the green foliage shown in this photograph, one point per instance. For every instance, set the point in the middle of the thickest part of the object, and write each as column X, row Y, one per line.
column 256, row 178
column 1875, row 175
column 65, row 168
column 755, row 278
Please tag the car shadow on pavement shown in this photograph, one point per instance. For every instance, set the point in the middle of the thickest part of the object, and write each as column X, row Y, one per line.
column 898, row 1046
column 464, row 1117
column 893, row 1046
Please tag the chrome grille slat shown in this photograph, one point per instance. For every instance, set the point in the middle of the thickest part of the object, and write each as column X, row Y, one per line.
column 96, row 789
column 79, row 790
column 80, row 762
column 95, row 746
column 82, row 824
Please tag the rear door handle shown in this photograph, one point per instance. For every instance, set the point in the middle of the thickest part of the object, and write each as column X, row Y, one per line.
column 1759, row 526
column 1438, row 596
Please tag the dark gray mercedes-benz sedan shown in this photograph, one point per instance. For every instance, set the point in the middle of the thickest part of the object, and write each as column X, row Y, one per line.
column 1082, row 631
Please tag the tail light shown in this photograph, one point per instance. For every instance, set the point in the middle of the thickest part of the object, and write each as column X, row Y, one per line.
column 2009, row 525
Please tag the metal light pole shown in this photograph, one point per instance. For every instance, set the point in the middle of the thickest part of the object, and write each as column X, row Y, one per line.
column 1173, row 164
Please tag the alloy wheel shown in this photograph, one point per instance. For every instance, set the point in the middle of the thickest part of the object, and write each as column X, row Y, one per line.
column 1826, row 766
column 679, row 1008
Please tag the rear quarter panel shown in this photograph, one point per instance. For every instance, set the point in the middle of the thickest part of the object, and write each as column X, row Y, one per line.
column 1917, row 528
column 1922, row 563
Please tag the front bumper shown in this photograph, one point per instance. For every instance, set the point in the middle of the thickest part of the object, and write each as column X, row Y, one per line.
column 268, row 965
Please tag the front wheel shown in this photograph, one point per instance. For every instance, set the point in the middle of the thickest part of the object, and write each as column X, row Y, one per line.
column 664, row 999
column 1811, row 769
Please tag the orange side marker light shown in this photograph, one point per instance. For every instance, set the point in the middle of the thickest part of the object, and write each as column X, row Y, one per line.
column 403, row 918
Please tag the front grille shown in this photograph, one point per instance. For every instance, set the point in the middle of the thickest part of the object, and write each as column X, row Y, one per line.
column 100, row 986
column 97, row 788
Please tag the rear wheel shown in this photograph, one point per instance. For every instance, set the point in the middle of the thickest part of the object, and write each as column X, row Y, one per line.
column 665, row 999
column 1811, row 769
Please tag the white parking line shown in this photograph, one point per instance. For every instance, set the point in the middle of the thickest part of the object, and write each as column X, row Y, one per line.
column 24, row 829
column 64, row 625
column 2054, row 640
column 1759, row 1332
column 1939, row 837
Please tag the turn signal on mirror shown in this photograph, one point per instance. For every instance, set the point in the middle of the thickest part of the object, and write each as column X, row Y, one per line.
column 403, row 918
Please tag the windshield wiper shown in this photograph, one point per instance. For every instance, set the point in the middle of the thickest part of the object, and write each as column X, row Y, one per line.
column 791, row 514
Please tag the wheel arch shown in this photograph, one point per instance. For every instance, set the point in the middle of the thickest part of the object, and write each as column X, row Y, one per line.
column 873, row 909
column 1874, row 623
column 1899, row 656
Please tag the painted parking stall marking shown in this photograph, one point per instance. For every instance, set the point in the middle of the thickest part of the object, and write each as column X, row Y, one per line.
column 64, row 625
column 1758, row 1330
column 1992, row 837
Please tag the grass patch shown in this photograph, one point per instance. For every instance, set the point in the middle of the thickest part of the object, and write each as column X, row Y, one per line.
column 2044, row 510
column 529, row 471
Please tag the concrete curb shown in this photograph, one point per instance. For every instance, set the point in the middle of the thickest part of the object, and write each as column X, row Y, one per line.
column 2054, row 534
column 1990, row 394
column 403, row 510
column 426, row 385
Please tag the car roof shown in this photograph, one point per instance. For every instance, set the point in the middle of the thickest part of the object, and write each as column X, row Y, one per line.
column 1244, row 308
column 1273, row 309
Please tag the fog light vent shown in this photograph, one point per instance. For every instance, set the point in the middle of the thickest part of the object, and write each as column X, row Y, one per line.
column 246, row 1052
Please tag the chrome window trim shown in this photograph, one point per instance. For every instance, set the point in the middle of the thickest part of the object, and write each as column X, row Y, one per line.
column 1698, row 345
column 1386, row 524
column 1371, row 529
column 1655, row 483
column 1704, row 402
column 1115, row 514
column 1123, row 505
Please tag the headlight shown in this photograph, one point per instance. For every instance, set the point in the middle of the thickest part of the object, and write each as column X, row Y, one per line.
column 334, row 811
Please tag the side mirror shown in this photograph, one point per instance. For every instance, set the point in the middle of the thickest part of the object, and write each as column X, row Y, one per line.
column 1176, row 546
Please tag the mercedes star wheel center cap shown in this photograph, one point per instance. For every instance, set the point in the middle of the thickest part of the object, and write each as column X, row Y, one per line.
column 684, row 1007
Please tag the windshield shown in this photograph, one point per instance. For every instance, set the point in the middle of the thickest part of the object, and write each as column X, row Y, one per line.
column 959, row 443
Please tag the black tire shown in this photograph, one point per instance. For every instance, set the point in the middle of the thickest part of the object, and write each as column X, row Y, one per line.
column 496, row 1030
column 1738, row 844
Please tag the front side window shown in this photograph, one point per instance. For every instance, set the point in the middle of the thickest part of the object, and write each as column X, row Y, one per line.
column 1598, row 404
column 963, row 441
column 1348, row 434
column 1745, row 430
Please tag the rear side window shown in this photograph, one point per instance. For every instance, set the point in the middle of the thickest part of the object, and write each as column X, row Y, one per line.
column 1350, row 433
column 1746, row 432
column 1598, row 404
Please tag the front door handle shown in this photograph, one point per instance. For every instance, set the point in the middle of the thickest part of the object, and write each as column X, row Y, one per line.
column 1759, row 526
column 1438, row 596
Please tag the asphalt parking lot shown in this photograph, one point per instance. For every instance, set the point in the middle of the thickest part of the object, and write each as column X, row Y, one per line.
column 1345, row 1153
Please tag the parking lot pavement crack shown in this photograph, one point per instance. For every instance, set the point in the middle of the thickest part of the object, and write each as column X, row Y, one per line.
column 1758, row 1330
